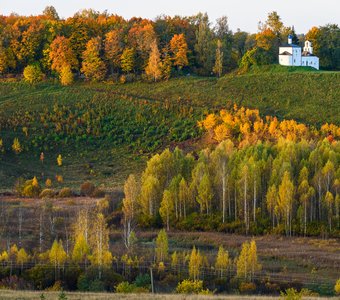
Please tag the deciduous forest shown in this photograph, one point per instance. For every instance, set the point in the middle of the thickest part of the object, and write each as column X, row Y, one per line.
column 168, row 156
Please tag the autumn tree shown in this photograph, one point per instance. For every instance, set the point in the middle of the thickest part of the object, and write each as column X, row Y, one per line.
column 179, row 49
column 166, row 63
column 306, row 192
column 2, row 148
column 59, row 160
column 99, row 244
column 204, row 44
column 329, row 201
column 285, row 200
column 22, row 257
column 162, row 246
column 81, row 226
column 275, row 24
column 16, row 146
column 57, row 256
column 167, row 207
column 113, row 48
column 153, row 68
column 245, row 182
column 81, row 250
column 221, row 157
column 218, row 67
column 12, row 256
column 131, row 192
column 184, row 196
column 149, row 195
column 140, row 37
column 205, row 194
column 93, row 66
column 51, row 13
column 247, row 262
column 127, row 60
column 271, row 202
column 222, row 261
column 7, row 59
column 174, row 261
column 61, row 55
column 66, row 75
column 195, row 264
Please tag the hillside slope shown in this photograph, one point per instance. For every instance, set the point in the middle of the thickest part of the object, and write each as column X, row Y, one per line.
column 106, row 131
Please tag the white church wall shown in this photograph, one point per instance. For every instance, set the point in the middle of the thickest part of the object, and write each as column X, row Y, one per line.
column 310, row 61
column 296, row 57
column 285, row 60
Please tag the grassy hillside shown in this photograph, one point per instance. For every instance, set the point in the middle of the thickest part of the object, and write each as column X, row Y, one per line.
column 106, row 131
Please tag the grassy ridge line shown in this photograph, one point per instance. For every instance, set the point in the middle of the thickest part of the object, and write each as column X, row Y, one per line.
column 297, row 95
column 292, row 96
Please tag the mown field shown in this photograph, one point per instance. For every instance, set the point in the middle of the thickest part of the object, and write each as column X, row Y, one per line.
column 106, row 131
column 26, row 295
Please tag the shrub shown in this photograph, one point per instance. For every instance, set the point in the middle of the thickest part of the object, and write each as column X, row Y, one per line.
column 41, row 276
column 247, row 287
column 122, row 79
column 65, row 193
column 108, row 282
column 96, row 286
column 33, row 74
column 87, row 189
column 47, row 193
column 14, row 283
column 83, row 283
column 55, row 287
column 142, row 280
column 62, row 295
column 293, row 294
column 191, row 287
column 337, row 287
column 66, row 76
column 28, row 188
column 98, row 193
column 125, row 287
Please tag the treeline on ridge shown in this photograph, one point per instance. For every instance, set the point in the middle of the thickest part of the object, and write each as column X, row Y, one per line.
column 98, row 44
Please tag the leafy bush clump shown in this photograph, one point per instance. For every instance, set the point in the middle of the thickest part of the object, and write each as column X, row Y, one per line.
column 28, row 188
column 87, row 189
column 192, row 287
column 247, row 287
column 143, row 280
column 65, row 193
column 98, row 193
column 88, row 282
column 47, row 193
column 126, row 288
column 293, row 294
column 337, row 287
column 33, row 74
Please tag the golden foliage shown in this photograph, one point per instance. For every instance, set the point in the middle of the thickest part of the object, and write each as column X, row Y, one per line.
column 248, row 126
column 179, row 49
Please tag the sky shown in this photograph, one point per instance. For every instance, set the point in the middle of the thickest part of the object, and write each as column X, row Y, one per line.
column 243, row 14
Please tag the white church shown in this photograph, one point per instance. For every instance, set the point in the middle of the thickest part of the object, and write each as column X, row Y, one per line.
column 290, row 55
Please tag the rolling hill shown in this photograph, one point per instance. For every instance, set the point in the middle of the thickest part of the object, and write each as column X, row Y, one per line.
column 106, row 131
